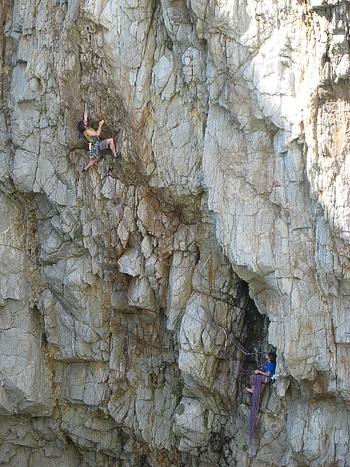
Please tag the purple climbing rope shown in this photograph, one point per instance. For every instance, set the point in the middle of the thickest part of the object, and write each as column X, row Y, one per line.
column 253, row 421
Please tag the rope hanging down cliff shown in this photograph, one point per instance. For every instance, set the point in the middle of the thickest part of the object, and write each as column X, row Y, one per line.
column 257, row 375
column 209, row 321
column 96, row 153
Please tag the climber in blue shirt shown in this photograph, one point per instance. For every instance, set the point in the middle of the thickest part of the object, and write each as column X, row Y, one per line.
column 267, row 373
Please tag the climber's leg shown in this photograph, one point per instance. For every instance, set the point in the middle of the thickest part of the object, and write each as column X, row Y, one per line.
column 108, row 143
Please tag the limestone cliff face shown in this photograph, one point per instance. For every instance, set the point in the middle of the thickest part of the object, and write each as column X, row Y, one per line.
column 124, row 298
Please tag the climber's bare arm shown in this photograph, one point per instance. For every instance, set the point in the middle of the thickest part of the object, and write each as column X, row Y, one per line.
column 85, row 114
column 96, row 132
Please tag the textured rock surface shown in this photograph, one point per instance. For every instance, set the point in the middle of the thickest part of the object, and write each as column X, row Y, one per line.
column 227, row 218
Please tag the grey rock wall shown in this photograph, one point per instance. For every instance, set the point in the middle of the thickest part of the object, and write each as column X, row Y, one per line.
column 132, row 295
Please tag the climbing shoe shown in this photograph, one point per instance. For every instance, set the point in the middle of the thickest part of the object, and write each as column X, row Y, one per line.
column 118, row 154
column 84, row 170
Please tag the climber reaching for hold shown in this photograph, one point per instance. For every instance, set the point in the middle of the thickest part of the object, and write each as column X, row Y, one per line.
column 92, row 137
column 267, row 373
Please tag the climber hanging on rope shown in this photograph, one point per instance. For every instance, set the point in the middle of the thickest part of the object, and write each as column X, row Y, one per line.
column 92, row 137
column 267, row 373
